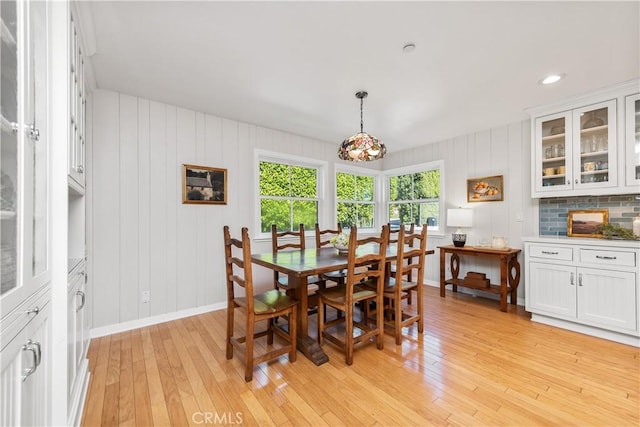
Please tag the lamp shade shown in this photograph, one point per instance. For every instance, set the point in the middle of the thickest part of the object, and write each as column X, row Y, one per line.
column 459, row 217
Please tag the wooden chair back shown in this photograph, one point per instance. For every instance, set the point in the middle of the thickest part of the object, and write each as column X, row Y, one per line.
column 277, row 246
column 242, row 262
column 375, row 260
column 411, row 254
column 323, row 237
column 276, row 235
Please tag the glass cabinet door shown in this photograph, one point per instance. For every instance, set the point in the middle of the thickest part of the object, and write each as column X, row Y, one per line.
column 633, row 139
column 552, row 151
column 594, row 145
column 9, row 170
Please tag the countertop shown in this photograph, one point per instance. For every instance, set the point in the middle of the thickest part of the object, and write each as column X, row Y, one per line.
column 583, row 241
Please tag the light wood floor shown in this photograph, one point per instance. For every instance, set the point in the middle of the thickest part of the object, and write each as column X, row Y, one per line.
column 474, row 365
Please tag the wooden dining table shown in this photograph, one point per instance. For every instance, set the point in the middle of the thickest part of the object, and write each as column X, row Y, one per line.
column 298, row 265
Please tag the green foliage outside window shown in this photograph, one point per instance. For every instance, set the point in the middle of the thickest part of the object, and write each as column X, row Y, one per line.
column 283, row 190
column 415, row 197
column 355, row 202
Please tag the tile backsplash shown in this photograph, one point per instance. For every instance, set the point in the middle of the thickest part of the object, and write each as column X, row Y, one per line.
column 554, row 211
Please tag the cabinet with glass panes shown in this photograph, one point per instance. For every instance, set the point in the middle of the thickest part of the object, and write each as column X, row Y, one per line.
column 578, row 146
column 632, row 141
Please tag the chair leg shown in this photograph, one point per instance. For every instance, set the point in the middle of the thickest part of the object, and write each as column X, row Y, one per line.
column 230, row 310
column 270, row 331
column 248, row 368
column 397, row 308
column 419, row 295
column 293, row 334
column 380, row 322
column 348, row 326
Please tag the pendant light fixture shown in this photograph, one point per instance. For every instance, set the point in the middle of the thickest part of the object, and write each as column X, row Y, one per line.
column 361, row 147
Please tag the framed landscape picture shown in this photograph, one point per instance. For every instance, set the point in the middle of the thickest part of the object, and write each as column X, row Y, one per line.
column 584, row 223
column 204, row 185
column 486, row 189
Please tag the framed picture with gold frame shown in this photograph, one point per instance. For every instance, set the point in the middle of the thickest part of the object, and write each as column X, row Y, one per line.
column 204, row 185
column 485, row 189
column 584, row 223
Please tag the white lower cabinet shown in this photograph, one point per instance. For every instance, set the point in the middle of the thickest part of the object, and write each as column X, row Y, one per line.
column 25, row 371
column 77, row 343
column 593, row 285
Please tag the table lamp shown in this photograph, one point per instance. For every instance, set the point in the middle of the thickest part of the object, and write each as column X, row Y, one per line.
column 459, row 218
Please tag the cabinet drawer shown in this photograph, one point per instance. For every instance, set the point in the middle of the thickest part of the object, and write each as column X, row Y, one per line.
column 551, row 252
column 607, row 257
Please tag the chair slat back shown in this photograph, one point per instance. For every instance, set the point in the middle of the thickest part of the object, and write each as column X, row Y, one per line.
column 394, row 232
column 280, row 246
column 375, row 260
column 323, row 237
column 237, row 263
column 275, row 235
column 413, row 253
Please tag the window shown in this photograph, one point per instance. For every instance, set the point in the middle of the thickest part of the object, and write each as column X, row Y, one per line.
column 288, row 194
column 355, row 201
column 414, row 195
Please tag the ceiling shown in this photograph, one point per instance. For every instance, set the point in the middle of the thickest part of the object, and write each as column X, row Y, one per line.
column 296, row 66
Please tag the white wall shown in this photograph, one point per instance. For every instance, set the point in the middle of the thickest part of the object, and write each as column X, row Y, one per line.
column 143, row 238
column 498, row 151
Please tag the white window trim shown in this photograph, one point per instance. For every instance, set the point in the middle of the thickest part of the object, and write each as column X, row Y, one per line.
column 378, row 208
column 436, row 164
column 275, row 157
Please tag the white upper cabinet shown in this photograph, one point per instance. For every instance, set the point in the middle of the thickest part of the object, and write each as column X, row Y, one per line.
column 78, row 105
column 632, row 140
column 25, row 236
column 576, row 145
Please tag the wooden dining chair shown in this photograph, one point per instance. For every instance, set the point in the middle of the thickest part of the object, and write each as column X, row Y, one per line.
column 323, row 238
column 280, row 241
column 399, row 286
column 353, row 291
column 393, row 239
column 257, row 307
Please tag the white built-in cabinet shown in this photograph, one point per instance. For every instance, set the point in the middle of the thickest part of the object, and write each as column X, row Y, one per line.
column 25, row 290
column 579, row 147
column 77, row 110
column 592, row 285
column 632, row 140
column 77, row 341
column 77, row 308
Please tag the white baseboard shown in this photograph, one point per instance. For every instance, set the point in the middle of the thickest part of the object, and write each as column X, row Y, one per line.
column 154, row 320
column 587, row 330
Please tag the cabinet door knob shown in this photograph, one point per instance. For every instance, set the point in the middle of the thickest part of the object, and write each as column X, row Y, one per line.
column 34, row 133
column 576, row 180
column 579, row 279
column 80, row 169
column 37, row 358
column 34, row 310
column 81, row 295
column 568, row 182
column 571, row 279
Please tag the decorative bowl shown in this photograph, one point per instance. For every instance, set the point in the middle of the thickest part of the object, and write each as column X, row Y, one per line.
column 342, row 249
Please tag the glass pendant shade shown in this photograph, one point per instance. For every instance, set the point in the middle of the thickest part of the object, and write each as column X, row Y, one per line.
column 361, row 147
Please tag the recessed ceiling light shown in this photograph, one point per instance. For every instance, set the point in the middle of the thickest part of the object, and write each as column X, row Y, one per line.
column 551, row 78
column 409, row 47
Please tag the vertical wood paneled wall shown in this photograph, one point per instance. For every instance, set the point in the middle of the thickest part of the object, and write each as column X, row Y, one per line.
column 143, row 238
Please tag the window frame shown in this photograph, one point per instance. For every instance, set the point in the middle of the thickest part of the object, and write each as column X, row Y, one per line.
column 422, row 167
column 287, row 159
column 377, row 193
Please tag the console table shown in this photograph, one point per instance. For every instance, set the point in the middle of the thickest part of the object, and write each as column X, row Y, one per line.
column 509, row 271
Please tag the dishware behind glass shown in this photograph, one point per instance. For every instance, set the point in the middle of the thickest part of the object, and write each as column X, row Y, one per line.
column 593, row 121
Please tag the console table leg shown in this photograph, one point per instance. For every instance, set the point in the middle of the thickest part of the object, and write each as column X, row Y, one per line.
column 503, row 283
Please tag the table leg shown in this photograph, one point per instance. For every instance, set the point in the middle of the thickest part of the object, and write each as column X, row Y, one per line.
column 503, row 283
column 455, row 269
column 307, row 345
column 514, row 278
column 442, row 271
